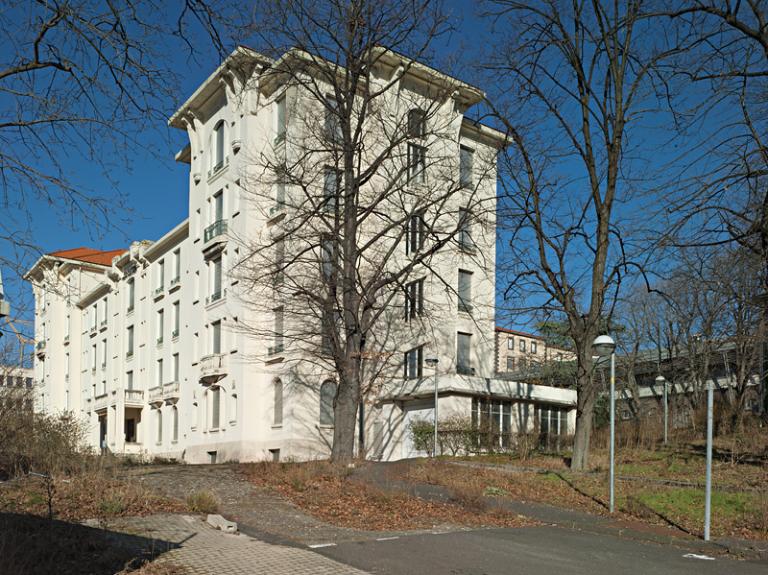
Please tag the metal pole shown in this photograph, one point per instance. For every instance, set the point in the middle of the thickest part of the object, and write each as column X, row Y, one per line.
column 666, row 413
column 434, row 450
column 708, row 488
column 613, row 436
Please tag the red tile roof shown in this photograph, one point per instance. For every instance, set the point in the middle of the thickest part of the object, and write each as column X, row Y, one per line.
column 89, row 255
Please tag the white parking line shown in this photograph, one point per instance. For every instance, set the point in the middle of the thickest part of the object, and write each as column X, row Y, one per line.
column 702, row 557
column 319, row 545
column 387, row 538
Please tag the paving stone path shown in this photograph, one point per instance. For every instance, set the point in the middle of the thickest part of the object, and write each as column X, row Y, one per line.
column 191, row 543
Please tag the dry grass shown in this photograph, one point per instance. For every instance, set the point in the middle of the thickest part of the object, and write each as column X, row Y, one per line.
column 202, row 502
column 333, row 494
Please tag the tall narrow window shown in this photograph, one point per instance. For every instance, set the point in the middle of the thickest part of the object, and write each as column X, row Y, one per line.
column 417, row 158
column 159, row 372
column 279, row 334
column 417, row 125
column 216, row 337
column 218, row 207
column 466, row 161
column 465, row 291
column 414, row 362
column 104, row 353
column 326, row 257
column 414, row 233
column 104, row 312
column 159, row 411
column 463, row 350
column 511, row 343
column 131, row 293
column 215, row 407
column 176, row 319
column 218, row 143
column 176, row 267
column 533, row 347
column 278, row 402
column 66, row 328
column 332, row 120
column 465, row 229
column 160, row 277
column 280, row 188
column 327, row 399
column 160, row 326
column 216, row 291
column 129, row 337
column 522, row 345
column 129, row 380
column 93, row 357
column 414, row 299
column 331, row 189
column 176, row 367
column 280, row 124
column 279, row 262
column 175, row 423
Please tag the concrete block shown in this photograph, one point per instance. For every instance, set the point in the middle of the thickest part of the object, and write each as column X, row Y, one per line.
column 218, row 522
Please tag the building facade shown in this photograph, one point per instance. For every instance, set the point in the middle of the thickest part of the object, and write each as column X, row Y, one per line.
column 517, row 351
column 195, row 346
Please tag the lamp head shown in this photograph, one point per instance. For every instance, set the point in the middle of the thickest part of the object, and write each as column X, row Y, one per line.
column 431, row 361
column 660, row 379
column 603, row 345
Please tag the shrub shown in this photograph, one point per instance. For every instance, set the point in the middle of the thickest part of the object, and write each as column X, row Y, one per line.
column 422, row 435
column 202, row 502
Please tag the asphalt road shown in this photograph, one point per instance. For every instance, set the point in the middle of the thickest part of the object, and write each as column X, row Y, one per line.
column 532, row 550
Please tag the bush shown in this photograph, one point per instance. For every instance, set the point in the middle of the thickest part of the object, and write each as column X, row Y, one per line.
column 202, row 502
column 422, row 435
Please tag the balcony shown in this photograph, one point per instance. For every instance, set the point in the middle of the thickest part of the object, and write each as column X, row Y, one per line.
column 215, row 236
column 276, row 349
column 134, row 397
column 40, row 349
column 175, row 284
column 216, row 296
column 213, row 368
column 158, row 293
column 465, row 307
column 66, row 340
column 103, row 325
column 159, row 341
column 175, row 334
column 100, row 402
column 171, row 391
column 277, row 209
column 463, row 369
column 155, row 394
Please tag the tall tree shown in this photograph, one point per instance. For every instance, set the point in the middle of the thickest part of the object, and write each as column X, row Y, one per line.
column 368, row 170
column 579, row 79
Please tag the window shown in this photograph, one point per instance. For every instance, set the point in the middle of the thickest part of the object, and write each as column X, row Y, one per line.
column 104, row 313
column 465, row 291
column 414, row 362
column 510, row 364
column 280, row 124
column 327, row 399
column 66, row 328
column 278, row 402
column 159, row 419
column 215, row 407
column 66, row 373
column 160, row 326
column 465, row 229
column 414, row 299
column 93, row 357
column 279, row 318
column 176, row 319
column 280, row 188
column 463, row 348
column 103, row 353
column 331, row 189
column 553, row 424
column 159, row 372
column 175, row 423
column 94, row 312
column 216, row 337
column 492, row 418
column 176, row 267
column 414, row 233
column 160, row 275
column 131, row 294
column 218, row 146
column 215, row 271
column 175, row 367
column 466, row 159
column 279, row 276
column 129, row 380
column 332, row 120
column 326, row 257
column 522, row 345
column 533, row 347
column 218, row 207
column 129, row 337
column 417, row 157
column 417, row 125
column 511, row 343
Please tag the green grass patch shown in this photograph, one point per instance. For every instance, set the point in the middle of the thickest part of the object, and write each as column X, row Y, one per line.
column 689, row 503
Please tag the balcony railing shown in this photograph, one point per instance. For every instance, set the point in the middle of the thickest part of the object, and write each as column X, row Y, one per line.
column 278, row 208
column 175, row 281
column 66, row 339
column 216, row 296
column 171, row 390
column 213, row 368
column 100, row 401
column 275, row 349
column 463, row 369
column 158, row 291
column 214, row 230
column 40, row 349
column 174, row 334
column 103, row 323
column 160, row 340
column 134, row 397
column 155, row 394
column 465, row 307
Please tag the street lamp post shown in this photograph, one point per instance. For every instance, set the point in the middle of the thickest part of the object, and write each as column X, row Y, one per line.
column 432, row 362
column 661, row 380
column 604, row 346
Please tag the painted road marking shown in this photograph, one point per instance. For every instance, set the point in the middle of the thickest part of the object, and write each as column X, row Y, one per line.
column 702, row 557
column 387, row 538
column 319, row 545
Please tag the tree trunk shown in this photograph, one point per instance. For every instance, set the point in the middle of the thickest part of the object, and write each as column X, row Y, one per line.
column 345, row 418
column 584, row 417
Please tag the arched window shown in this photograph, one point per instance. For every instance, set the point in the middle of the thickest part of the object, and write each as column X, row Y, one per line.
column 175, row 421
column 278, row 404
column 327, row 399
column 218, row 145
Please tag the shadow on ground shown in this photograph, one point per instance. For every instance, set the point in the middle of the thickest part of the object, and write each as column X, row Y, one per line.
column 32, row 545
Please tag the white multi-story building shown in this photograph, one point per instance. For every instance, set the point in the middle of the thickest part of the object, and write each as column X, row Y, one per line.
column 155, row 346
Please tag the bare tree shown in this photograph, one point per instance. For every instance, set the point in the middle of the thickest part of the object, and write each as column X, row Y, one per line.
column 368, row 171
column 580, row 80
column 83, row 79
